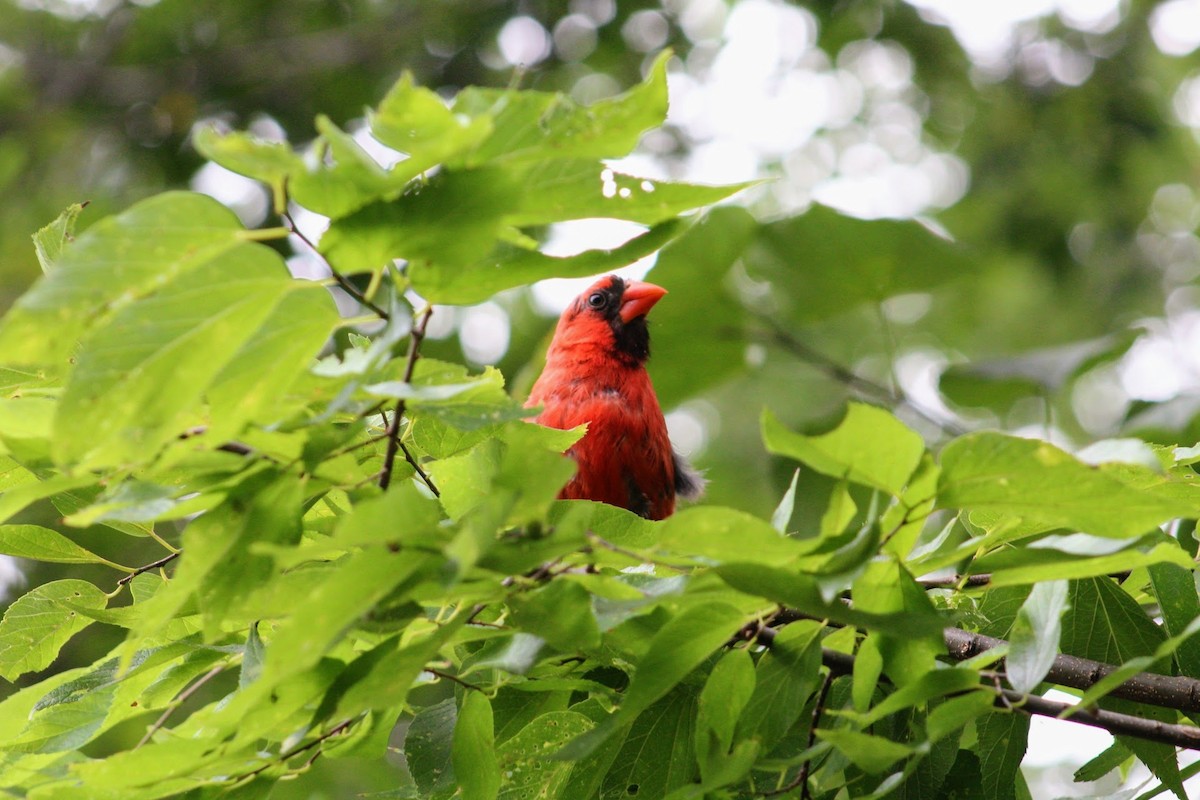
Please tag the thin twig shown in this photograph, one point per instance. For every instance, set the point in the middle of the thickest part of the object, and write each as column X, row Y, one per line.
column 454, row 678
column 237, row 448
column 851, row 380
column 179, row 701
column 428, row 481
column 983, row 579
column 342, row 281
column 341, row 727
column 607, row 545
column 415, row 337
column 162, row 562
column 801, row 778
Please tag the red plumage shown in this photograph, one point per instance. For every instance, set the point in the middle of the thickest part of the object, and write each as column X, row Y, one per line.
column 596, row 374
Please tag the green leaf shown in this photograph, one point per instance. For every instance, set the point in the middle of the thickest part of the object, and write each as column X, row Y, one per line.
column 508, row 266
column 272, row 518
column 332, row 605
column 37, row 625
column 50, row 242
column 728, row 689
column 252, row 658
column 724, row 535
column 472, row 751
column 1175, row 589
column 267, row 161
column 428, row 747
column 678, row 648
column 346, row 178
column 846, row 262
column 869, row 446
column 872, row 754
column 416, row 121
column 207, row 542
column 375, row 521
column 1105, row 624
column 886, row 588
column 162, row 353
column 786, row 677
column 43, row 544
column 1003, row 739
column 1035, row 634
column 453, row 221
column 533, row 126
column 116, row 259
column 250, row 387
column 800, row 590
column 1108, row 760
column 561, row 613
column 782, row 514
column 555, row 191
column 868, row 666
column 656, row 755
column 919, row 691
column 948, row 717
column 674, row 651
column 1036, row 482
column 529, row 771
column 382, row 677
column 1013, row 567
column 1001, row 382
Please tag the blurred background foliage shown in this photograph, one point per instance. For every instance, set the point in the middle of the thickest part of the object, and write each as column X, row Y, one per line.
column 1056, row 141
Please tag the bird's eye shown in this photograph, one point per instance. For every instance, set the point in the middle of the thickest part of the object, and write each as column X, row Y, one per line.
column 596, row 300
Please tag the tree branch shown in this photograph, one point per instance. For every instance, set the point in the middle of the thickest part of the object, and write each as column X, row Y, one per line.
column 1184, row 736
column 1168, row 691
column 1175, row 692
column 454, row 678
column 237, row 448
column 982, row 579
column 341, row 727
column 162, row 562
column 393, row 427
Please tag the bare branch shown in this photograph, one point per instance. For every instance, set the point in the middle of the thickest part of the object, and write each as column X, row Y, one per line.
column 1185, row 736
column 453, row 678
column 342, row 281
column 1168, row 691
column 341, row 727
column 393, row 427
column 162, row 562
column 981, row 579
column 178, row 701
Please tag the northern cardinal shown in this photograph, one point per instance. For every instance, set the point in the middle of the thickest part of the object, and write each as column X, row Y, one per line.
column 596, row 374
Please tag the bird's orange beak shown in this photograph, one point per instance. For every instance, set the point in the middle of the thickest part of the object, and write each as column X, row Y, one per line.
column 638, row 298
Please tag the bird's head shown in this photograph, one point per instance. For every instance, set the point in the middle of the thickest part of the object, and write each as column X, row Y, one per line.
column 611, row 314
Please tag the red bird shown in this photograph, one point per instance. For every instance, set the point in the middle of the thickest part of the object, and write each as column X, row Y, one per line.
column 596, row 374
